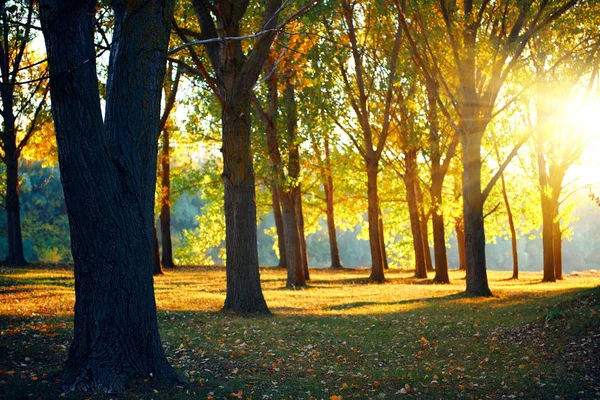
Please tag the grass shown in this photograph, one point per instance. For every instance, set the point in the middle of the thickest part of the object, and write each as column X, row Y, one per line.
column 340, row 338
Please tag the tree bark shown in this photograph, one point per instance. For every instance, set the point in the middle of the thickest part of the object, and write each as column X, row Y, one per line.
column 108, row 171
column 279, row 226
column 377, row 274
column 413, row 211
column 157, row 268
column 382, row 240
column 301, row 234
column 165, row 201
column 329, row 199
column 557, row 249
column 513, row 231
column 460, row 244
column 14, row 255
column 547, row 217
column 295, row 267
column 244, row 294
column 477, row 282
column 423, row 221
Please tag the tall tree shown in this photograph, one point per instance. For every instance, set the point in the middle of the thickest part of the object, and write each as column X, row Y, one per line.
column 16, row 63
column 170, row 87
column 487, row 42
column 108, row 171
column 373, row 127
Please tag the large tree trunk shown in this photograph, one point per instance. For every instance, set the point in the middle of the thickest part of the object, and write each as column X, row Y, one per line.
column 295, row 267
column 477, row 282
column 382, row 240
column 413, row 211
column 14, row 255
column 329, row 193
column 513, row 231
column 547, row 217
column 377, row 274
column 279, row 226
column 109, row 179
column 557, row 249
column 244, row 294
column 460, row 243
column 165, row 202
column 156, row 264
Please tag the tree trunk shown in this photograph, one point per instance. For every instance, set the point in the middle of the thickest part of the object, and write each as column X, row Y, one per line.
column 328, row 186
column 423, row 221
column 156, row 264
column 14, row 254
column 439, row 235
column 295, row 268
column 547, row 217
column 413, row 211
column 279, row 226
column 460, row 244
column 382, row 240
column 477, row 282
column 244, row 294
column 557, row 249
column 108, row 171
column 513, row 232
column 165, row 202
column 377, row 274
column 301, row 234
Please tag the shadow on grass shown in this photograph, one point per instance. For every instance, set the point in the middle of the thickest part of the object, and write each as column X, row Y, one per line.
column 359, row 304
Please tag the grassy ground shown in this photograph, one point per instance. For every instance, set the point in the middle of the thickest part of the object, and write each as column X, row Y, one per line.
column 340, row 338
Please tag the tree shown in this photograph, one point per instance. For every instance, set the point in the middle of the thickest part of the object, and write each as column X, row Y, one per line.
column 108, row 170
column 18, row 62
column 373, row 127
column 170, row 88
column 487, row 43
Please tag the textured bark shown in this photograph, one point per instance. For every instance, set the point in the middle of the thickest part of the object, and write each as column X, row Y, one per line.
column 460, row 243
column 413, row 211
column 477, row 282
column 377, row 274
column 108, row 171
column 295, row 267
column 236, row 74
column 329, row 199
column 165, row 201
column 279, row 226
column 14, row 255
column 157, row 268
column 244, row 294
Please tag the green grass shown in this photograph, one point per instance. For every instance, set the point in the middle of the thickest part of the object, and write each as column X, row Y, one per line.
column 340, row 338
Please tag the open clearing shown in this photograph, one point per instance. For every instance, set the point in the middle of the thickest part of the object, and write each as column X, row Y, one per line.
column 340, row 338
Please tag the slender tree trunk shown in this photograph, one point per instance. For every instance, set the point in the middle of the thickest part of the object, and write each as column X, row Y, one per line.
column 477, row 282
column 413, row 211
column 156, row 264
column 108, row 171
column 382, row 240
column 460, row 244
column 439, row 235
column 279, row 226
column 333, row 243
column 513, row 231
column 423, row 221
column 301, row 234
column 377, row 274
column 244, row 294
column 295, row 270
column 15, row 254
column 165, row 202
column 557, row 249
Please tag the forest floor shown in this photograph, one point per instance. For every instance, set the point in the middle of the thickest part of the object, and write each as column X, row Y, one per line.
column 341, row 338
